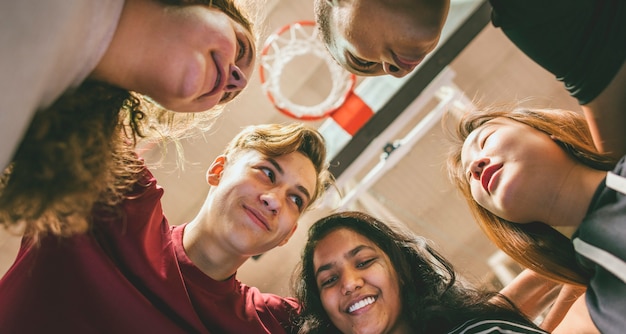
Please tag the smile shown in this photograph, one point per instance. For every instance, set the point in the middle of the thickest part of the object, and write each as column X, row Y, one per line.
column 361, row 304
column 257, row 218
column 218, row 80
column 406, row 64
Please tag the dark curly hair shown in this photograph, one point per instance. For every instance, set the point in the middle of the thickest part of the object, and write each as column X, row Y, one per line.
column 434, row 300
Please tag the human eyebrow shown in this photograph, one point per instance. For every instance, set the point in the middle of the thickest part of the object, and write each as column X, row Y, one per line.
column 280, row 171
column 323, row 268
column 350, row 254
column 358, row 249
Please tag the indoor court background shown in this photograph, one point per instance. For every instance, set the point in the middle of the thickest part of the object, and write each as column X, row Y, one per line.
column 415, row 191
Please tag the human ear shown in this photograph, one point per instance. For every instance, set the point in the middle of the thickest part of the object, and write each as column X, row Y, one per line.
column 293, row 230
column 215, row 171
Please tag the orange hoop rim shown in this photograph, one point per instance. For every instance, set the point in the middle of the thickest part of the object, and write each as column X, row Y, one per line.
column 264, row 51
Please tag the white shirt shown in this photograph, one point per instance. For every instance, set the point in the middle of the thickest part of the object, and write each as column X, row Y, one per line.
column 47, row 47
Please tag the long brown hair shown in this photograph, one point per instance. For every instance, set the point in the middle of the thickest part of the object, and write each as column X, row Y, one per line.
column 536, row 245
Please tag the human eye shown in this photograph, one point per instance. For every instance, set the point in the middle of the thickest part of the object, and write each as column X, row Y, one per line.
column 298, row 201
column 327, row 281
column 269, row 173
column 484, row 139
column 361, row 64
column 226, row 97
column 242, row 47
column 365, row 263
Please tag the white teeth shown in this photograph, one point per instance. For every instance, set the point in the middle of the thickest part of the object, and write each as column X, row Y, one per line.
column 361, row 304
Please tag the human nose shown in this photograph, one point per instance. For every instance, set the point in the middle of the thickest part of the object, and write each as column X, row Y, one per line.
column 351, row 282
column 477, row 166
column 236, row 79
column 394, row 70
column 271, row 202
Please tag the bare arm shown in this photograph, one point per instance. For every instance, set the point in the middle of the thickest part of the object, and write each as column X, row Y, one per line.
column 606, row 116
column 563, row 306
column 531, row 293
column 577, row 320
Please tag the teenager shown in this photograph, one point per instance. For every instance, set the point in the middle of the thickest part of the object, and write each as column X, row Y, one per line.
column 581, row 42
column 360, row 275
column 76, row 77
column 543, row 194
column 133, row 272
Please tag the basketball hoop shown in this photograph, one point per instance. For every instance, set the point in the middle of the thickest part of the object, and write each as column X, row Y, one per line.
column 300, row 39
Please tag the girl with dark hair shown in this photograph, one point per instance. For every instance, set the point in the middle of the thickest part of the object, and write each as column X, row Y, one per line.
column 360, row 275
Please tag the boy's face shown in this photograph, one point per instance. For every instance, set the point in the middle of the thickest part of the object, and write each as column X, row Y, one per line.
column 378, row 37
column 258, row 200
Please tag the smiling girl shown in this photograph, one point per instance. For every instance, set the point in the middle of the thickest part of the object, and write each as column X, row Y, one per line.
column 360, row 275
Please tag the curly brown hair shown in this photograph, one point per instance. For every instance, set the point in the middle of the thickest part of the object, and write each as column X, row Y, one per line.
column 79, row 152
column 73, row 155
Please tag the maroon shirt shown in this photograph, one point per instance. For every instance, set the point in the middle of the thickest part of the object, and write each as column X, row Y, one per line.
column 129, row 275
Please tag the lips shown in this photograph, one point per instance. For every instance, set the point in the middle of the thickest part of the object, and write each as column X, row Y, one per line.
column 361, row 304
column 218, row 79
column 257, row 217
column 487, row 174
column 405, row 63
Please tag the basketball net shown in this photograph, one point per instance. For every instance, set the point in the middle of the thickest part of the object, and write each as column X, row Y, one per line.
column 300, row 39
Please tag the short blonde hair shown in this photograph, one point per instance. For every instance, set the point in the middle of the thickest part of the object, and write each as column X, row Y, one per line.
column 275, row 140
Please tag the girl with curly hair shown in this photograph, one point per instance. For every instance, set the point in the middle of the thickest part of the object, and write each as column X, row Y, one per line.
column 106, row 89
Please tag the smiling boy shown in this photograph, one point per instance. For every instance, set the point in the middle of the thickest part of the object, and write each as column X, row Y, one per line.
column 135, row 273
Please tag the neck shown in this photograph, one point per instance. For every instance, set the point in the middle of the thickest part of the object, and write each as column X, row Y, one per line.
column 126, row 53
column 207, row 253
column 572, row 200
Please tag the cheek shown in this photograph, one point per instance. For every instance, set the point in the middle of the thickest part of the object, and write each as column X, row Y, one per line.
column 477, row 193
column 329, row 302
column 222, row 39
column 248, row 70
column 396, row 307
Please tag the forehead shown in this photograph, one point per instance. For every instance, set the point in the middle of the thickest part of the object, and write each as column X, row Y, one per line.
column 338, row 244
column 295, row 166
column 472, row 139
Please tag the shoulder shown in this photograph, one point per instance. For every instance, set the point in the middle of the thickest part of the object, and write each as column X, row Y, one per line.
column 270, row 300
column 493, row 326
